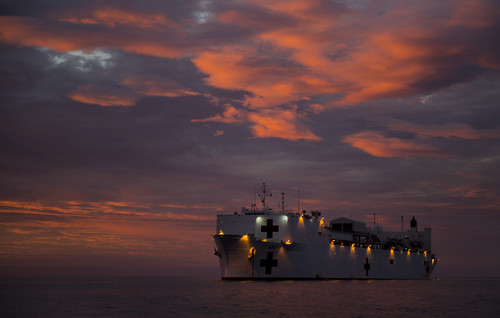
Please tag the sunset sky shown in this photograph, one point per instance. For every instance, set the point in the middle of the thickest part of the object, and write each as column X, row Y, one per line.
column 126, row 126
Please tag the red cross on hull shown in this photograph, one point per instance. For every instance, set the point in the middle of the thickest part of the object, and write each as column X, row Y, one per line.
column 269, row 228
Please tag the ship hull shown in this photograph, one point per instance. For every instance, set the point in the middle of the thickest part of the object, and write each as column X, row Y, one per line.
column 245, row 257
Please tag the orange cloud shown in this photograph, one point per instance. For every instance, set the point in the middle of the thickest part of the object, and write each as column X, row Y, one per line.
column 353, row 53
column 229, row 116
column 375, row 60
column 141, row 85
column 107, row 209
column 113, row 17
column 381, row 146
column 389, row 147
column 241, row 68
column 56, row 36
column 271, row 85
column 79, row 20
column 278, row 123
column 156, row 86
column 92, row 94
column 105, row 228
column 33, row 32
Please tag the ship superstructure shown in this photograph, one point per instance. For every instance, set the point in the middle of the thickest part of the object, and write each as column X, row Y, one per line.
column 263, row 244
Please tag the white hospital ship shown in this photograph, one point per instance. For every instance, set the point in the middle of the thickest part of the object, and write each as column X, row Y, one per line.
column 263, row 244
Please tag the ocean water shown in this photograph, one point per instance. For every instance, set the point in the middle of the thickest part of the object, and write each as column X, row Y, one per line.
column 211, row 297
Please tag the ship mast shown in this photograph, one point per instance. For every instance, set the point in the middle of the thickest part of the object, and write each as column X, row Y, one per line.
column 263, row 195
column 282, row 202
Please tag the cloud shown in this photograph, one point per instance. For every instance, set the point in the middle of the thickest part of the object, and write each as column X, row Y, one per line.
column 283, row 53
column 323, row 54
column 473, row 191
column 82, row 61
column 230, row 115
column 267, row 123
column 270, row 80
column 65, row 233
column 114, row 16
column 63, row 36
column 467, row 174
column 277, row 123
column 378, row 145
column 129, row 91
column 156, row 86
column 161, row 212
column 92, row 94
column 449, row 130
column 474, row 14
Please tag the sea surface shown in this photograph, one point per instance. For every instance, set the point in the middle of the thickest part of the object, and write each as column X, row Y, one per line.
column 211, row 297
